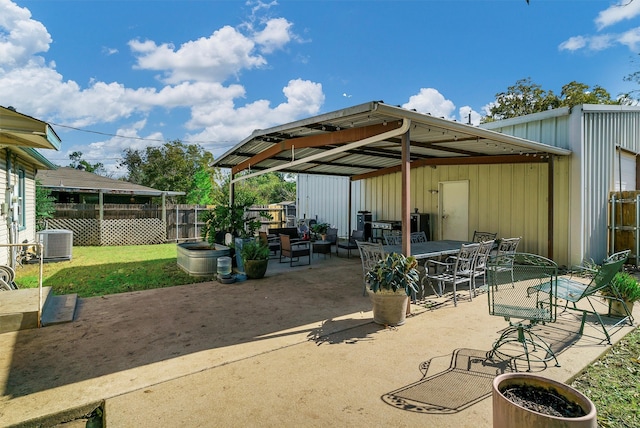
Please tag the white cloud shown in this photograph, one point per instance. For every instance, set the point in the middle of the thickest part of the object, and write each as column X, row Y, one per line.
column 573, row 43
column 211, row 59
column 276, row 34
column 630, row 39
column 431, row 101
column 109, row 151
column 109, row 51
column 615, row 14
column 224, row 124
column 623, row 10
column 22, row 36
column 193, row 77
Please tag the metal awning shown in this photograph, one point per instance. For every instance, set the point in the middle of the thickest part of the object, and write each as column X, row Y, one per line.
column 365, row 141
column 20, row 130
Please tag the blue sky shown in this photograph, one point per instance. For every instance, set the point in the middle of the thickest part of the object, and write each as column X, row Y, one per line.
column 211, row 72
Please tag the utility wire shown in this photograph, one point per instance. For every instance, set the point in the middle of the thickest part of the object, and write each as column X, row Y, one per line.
column 134, row 138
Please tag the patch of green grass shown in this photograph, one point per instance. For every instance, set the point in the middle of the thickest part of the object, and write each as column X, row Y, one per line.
column 97, row 271
column 612, row 383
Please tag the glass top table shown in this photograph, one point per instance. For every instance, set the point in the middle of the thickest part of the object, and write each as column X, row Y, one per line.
column 430, row 249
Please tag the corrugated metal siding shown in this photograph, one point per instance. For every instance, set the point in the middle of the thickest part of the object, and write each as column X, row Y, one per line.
column 510, row 199
column 326, row 199
column 602, row 132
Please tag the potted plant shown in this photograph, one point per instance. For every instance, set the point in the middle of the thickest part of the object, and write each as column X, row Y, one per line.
column 320, row 229
column 628, row 289
column 530, row 401
column 255, row 255
column 226, row 219
column 391, row 281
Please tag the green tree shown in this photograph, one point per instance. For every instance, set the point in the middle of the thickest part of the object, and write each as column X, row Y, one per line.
column 269, row 188
column 575, row 93
column 78, row 162
column 202, row 191
column 526, row 97
column 174, row 166
column 45, row 207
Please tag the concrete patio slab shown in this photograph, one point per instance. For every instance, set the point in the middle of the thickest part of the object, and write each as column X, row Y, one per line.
column 297, row 348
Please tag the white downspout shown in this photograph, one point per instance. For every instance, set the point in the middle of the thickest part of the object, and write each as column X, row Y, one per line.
column 406, row 123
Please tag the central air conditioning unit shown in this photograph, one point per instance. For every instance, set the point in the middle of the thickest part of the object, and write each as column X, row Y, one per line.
column 57, row 244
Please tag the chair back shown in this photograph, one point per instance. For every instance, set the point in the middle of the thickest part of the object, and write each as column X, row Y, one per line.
column 483, row 236
column 370, row 253
column 605, row 274
column 417, row 237
column 517, row 287
column 393, row 239
column 483, row 255
column 332, row 235
column 465, row 259
column 508, row 246
column 356, row 235
column 285, row 242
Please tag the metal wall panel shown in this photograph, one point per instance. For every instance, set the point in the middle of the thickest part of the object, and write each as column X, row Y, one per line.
column 325, row 199
column 602, row 132
column 510, row 199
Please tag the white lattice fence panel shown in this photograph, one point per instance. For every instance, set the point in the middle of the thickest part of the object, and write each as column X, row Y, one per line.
column 139, row 231
column 86, row 231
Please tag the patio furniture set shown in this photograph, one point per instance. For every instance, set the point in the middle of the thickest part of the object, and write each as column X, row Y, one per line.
column 525, row 289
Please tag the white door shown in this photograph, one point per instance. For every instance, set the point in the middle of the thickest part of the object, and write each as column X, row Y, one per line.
column 625, row 171
column 454, row 210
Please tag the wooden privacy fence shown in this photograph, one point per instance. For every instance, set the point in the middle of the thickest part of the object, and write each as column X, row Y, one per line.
column 135, row 224
column 624, row 223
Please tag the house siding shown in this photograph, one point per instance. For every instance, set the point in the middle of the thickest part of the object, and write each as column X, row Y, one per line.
column 29, row 231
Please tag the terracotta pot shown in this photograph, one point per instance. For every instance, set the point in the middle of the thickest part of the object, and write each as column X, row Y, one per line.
column 507, row 414
column 255, row 269
column 389, row 309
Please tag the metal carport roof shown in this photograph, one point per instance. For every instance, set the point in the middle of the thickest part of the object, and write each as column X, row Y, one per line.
column 375, row 138
column 365, row 140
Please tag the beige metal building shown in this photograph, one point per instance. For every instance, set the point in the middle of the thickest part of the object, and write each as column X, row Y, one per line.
column 605, row 142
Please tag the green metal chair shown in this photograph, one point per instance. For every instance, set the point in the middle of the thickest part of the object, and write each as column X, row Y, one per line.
column 517, row 292
column 573, row 291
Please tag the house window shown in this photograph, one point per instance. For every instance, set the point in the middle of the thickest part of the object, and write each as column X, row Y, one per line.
column 22, row 199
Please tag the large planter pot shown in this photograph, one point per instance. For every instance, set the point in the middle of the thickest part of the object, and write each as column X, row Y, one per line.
column 199, row 258
column 617, row 310
column 255, row 269
column 506, row 413
column 389, row 308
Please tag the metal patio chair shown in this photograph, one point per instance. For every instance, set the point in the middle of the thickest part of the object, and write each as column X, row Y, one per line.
column 293, row 250
column 350, row 243
column 393, row 239
column 483, row 236
column 523, row 290
column 417, row 237
column 480, row 263
column 573, row 291
column 370, row 253
column 456, row 273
